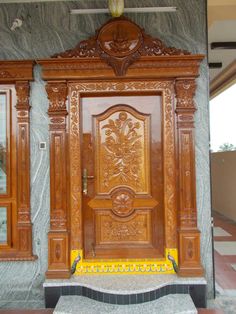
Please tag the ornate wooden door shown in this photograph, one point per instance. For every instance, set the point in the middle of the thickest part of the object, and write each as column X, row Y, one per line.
column 122, row 177
column 137, row 154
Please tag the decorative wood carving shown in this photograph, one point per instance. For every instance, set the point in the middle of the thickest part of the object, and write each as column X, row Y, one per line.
column 188, row 232
column 122, row 202
column 13, row 71
column 189, row 258
column 58, row 247
column 17, row 74
column 122, row 149
column 120, row 42
column 145, row 65
column 166, row 88
column 135, row 229
column 57, row 94
column 23, row 166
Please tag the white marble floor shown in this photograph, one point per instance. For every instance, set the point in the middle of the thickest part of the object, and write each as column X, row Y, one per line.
column 225, row 247
column 220, row 232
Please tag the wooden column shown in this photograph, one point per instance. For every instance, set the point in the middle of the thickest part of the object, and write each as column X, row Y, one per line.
column 189, row 235
column 24, row 226
column 58, row 237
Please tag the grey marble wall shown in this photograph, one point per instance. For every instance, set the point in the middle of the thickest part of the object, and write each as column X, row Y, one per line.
column 49, row 28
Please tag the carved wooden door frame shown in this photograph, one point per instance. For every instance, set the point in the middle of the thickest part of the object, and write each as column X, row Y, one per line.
column 148, row 66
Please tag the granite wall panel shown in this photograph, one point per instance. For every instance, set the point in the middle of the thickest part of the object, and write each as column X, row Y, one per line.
column 48, row 28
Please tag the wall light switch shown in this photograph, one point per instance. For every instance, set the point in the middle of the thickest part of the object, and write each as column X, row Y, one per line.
column 42, row 145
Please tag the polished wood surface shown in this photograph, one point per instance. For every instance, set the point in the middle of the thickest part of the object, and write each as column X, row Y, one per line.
column 122, row 60
column 18, row 74
column 189, row 235
column 58, row 238
column 121, row 212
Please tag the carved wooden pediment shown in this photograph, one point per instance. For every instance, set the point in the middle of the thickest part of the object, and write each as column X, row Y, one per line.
column 120, row 42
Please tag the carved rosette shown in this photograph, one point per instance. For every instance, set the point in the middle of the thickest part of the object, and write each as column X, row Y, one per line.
column 122, row 203
column 120, row 42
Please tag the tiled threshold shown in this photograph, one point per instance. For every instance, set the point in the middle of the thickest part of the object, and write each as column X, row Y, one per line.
column 126, row 289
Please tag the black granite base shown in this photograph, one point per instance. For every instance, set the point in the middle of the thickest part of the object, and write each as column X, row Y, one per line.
column 196, row 291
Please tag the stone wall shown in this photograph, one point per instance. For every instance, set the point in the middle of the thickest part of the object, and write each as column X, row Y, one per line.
column 48, row 28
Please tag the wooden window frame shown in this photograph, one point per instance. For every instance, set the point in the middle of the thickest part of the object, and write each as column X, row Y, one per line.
column 15, row 77
column 7, row 245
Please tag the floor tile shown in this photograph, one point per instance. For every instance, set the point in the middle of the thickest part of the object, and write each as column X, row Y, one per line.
column 233, row 266
column 220, row 232
column 225, row 247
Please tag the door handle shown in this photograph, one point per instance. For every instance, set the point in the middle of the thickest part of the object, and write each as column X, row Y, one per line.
column 85, row 178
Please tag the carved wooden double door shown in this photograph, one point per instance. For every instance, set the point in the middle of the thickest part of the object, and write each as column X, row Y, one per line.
column 122, row 176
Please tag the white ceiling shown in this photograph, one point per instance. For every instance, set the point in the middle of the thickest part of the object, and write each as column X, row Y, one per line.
column 218, row 32
column 221, row 28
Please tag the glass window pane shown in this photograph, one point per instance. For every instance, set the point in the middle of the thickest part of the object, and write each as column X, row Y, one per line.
column 3, row 225
column 3, row 144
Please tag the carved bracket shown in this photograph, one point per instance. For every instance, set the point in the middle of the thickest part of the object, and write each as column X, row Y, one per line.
column 57, row 94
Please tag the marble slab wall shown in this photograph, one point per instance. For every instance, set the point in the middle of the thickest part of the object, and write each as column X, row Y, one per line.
column 49, row 28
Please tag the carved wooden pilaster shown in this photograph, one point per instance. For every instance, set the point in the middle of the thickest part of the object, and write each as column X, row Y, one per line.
column 58, row 238
column 24, row 226
column 189, row 235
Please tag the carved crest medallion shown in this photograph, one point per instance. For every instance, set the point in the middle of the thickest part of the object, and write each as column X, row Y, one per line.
column 120, row 38
column 120, row 42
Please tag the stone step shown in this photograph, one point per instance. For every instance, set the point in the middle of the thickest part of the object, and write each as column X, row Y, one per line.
column 170, row 304
column 125, row 289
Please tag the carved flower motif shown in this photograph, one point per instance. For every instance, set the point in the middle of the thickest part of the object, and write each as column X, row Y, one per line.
column 123, row 116
column 123, row 150
column 123, row 204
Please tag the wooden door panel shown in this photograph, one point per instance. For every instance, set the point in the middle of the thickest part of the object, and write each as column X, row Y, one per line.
column 122, row 198
column 122, row 150
column 134, row 230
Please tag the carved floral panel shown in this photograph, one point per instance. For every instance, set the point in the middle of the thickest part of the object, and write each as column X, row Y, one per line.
column 122, row 150
column 136, row 229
